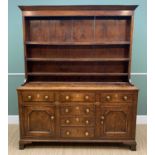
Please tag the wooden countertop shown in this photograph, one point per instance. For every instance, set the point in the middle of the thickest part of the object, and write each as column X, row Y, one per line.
column 76, row 86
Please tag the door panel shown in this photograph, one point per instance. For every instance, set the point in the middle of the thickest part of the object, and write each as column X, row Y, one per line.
column 39, row 121
column 115, row 122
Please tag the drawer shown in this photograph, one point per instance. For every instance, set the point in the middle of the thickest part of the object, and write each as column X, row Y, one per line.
column 30, row 96
column 77, row 110
column 77, row 97
column 116, row 97
column 77, row 121
column 77, row 132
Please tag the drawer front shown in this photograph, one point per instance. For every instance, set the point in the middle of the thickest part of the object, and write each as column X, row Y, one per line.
column 77, row 110
column 77, row 121
column 77, row 132
column 116, row 97
column 30, row 96
column 77, row 97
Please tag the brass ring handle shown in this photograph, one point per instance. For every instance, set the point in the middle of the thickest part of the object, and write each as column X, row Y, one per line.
column 67, row 97
column 67, row 133
column 87, row 110
column 46, row 97
column 52, row 117
column 87, row 122
column 29, row 97
column 67, row 121
column 86, row 97
column 86, row 133
column 125, row 98
column 108, row 97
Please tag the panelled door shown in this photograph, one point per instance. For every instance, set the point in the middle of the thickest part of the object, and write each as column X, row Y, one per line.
column 115, row 122
column 39, row 121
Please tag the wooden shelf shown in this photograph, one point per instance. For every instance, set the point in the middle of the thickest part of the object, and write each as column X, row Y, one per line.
column 79, row 43
column 76, row 74
column 78, row 59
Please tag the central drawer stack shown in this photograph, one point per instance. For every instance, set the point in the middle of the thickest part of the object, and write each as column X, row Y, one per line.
column 77, row 115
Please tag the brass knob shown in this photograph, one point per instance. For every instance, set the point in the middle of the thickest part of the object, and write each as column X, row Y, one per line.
column 125, row 98
column 52, row 117
column 87, row 122
column 86, row 133
column 67, row 133
column 87, row 110
column 67, row 121
column 46, row 97
column 101, row 122
column 86, row 97
column 66, row 110
column 77, row 119
column 108, row 97
column 67, row 97
column 102, row 117
column 77, row 108
column 29, row 97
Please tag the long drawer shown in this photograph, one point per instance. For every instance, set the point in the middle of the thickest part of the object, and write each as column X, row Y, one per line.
column 37, row 96
column 116, row 97
column 77, row 110
column 77, row 132
column 77, row 97
column 77, row 121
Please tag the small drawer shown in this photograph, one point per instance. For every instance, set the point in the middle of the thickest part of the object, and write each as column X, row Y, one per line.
column 116, row 97
column 77, row 132
column 77, row 121
column 77, row 110
column 30, row 96
column 77, row 97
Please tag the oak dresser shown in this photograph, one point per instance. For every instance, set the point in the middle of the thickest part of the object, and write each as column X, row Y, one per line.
column 77, row 75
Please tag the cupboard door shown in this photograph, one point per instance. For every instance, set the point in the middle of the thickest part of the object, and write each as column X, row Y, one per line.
column 115, row 122
column 39, row 121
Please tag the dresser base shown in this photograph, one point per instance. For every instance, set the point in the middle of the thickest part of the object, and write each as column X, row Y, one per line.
column 77, row 113
column 130, row 143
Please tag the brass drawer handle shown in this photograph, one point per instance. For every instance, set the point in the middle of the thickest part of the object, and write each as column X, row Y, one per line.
column 125, row 98
column 108, row 97
column 86, row 133
column 66, row 110
column 67, row 97
column 87, row 110
column 46, row 97
column 52, row 117
column 67, row 121
column 77, row 108
column 67, row 133
column 102, row 117
column 77, row 119
column 86, row 97
column 29, row 97
column 87, row 122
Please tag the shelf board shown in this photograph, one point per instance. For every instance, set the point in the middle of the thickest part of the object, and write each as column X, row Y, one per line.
column 78, row 59
column 76, row 74
column 79, row 43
